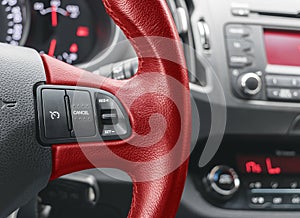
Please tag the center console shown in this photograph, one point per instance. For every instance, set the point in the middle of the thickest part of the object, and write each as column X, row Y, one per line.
column 253, row 49
column 256, row 179
column 263, row 61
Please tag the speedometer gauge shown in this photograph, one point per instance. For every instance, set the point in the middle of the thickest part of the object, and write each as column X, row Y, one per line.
column 12, row 21
column 69, row 30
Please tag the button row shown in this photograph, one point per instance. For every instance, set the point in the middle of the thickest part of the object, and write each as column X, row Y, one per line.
column 275, row 201
column 110, row 116
column 67, row 112
column 273, row 185
column 283, row 81
column 283, row 94
column 283, row 88
column 239, row 46
column 84, row 114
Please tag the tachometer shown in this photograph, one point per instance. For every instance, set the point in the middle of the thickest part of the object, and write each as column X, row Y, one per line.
column 12, row 21
column 69, row 30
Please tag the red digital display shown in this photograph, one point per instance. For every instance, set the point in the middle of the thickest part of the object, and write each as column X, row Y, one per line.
column 282, row 47
column 271, row 165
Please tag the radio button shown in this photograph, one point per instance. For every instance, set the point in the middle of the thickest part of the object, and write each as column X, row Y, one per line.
column 238, row 45
column 237, row 31
column 255, row 185
column 293, row 185
column 277, row 200
column 295, row 200
column 274, row 185
column 258, row 200
column 240, row 60
column 241, row 12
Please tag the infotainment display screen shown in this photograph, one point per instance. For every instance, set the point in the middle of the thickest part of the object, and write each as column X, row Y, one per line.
column 282, row 47
column 272, row 165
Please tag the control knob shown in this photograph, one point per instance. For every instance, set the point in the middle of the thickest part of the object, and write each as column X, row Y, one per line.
column 250, row 84
column 223, row 182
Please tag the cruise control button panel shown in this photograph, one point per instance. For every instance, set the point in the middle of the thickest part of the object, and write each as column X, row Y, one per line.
column 77, row 114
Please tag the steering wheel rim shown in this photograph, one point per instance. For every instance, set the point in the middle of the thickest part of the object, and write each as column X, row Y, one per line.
column 158, row 168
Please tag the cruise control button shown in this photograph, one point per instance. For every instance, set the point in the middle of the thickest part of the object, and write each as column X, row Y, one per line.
column 104, row 102
column 112, row 120
column 82, row 114
column 109, row 117
column 109, row 131
column 55, row 115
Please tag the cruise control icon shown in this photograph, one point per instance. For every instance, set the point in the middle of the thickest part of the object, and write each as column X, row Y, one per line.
column 54, row 115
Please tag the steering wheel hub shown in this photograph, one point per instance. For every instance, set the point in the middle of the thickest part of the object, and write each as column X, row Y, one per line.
column 25, row 165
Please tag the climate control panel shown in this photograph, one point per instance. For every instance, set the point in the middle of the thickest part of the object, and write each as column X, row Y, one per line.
column 240, row 191
column 257, row 178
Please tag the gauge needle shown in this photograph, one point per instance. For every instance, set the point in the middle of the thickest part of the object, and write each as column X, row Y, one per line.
column 54, row 16
column 52, row 47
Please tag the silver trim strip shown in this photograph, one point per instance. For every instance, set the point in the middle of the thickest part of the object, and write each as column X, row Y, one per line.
column 275, row 191
column 278, row 69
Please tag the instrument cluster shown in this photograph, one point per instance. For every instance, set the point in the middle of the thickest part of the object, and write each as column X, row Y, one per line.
column 73, row 31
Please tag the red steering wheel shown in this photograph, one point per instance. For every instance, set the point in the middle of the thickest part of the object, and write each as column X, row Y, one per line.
column 156, row 100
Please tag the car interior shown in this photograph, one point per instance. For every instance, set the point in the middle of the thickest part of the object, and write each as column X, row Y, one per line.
column 149, row 108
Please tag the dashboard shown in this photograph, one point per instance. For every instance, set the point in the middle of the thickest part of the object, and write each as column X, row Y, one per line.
column 243, row 59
